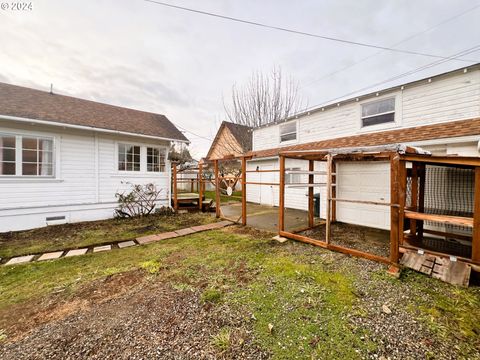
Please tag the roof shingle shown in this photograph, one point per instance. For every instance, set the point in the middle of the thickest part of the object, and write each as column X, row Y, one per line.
column 29, row 103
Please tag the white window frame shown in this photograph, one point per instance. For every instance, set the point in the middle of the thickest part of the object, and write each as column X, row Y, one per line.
column 280, row 132
column 143, row 159
column 388, row 125
column 161, row 150
column 290, row 177
column 19, row 155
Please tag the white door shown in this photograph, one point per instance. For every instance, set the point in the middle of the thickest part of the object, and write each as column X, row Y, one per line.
column 266, row 191
column 364, row 181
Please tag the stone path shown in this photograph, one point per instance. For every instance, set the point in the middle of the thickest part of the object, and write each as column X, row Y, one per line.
column 120, row 245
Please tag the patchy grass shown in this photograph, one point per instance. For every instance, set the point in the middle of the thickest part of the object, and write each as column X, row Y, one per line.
column 236, row 196
column 59, row 237
column 301, row 291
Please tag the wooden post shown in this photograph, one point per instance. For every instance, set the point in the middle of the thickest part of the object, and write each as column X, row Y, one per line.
column 281, row 193
column 394, row 226
column 244, row 191
column 402, row 191
column 217, row 190
column 421, row 171
column 333, row 214
column 414, row 199
column 328, row 230
column 200, row 187
column 311, row 210
column 175, row 192
column 476, row 218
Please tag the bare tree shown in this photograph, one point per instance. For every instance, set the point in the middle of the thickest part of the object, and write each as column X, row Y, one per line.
column 266, row 98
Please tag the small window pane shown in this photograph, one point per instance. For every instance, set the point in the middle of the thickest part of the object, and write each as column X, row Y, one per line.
column 380, row 119
column 7, row 142
column 29, row 143
column 7, row 154
column 29, row 156
column 7, row 168
column 288, row 132
column 29, row 169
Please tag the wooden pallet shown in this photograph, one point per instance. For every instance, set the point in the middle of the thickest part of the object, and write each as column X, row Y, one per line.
column 452, row 272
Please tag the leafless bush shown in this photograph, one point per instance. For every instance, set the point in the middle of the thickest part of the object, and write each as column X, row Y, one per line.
column 139, row 201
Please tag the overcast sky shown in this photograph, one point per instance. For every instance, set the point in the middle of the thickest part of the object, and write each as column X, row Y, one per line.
column 141, row 55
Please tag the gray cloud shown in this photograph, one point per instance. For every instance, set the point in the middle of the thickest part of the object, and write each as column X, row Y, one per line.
column 145, row 56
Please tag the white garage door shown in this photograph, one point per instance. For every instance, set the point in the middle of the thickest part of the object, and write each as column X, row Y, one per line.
column 364, row 181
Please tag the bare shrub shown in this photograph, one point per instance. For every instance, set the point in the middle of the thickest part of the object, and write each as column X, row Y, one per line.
column 139, row 201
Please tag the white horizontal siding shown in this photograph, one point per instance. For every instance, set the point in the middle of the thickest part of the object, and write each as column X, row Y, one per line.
column 76, row 192
column 454, row 97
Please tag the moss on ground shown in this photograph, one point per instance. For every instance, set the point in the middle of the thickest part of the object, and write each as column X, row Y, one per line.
column 296, row 302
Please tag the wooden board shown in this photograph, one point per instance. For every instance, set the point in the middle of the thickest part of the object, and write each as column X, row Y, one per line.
column 452, row 272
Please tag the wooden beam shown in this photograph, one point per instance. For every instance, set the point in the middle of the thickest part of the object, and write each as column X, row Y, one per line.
column 444, row 160
column 337, row 248
column 261, row 183
column 217, row 190
column 200, row 186
column 394, row 214
column 402, row 194
column 476, row 218
column 413, row 199
column 328, row 230
column 445, row 219
column 175, row 191
column 281, row 194
column 334, row 191
column 244, row 191
column 311, row 165
column 421, row 171
column 367, row 202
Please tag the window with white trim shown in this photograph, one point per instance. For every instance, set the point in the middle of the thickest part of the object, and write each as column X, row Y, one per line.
column 378, row 112
column 128, row 157
column 288, row 131
column 26, row 156
column 155, row 160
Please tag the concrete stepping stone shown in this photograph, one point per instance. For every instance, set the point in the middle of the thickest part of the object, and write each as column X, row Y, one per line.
column 102, row 248
column 201, row 228
column 76, row 252
column 50, row 256
column 147, row 239
column 167, row 235
column 20, row 260
column 125, row 244
column 185, row 231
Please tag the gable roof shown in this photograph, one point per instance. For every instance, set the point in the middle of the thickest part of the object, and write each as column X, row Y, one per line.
column 241, row 133
column 22, row 102
column 405, row 135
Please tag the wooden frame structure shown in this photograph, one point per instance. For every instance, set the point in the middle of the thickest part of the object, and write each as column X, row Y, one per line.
column 400, row 215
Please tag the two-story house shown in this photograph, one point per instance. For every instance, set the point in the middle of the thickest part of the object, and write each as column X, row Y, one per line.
column 440, row 114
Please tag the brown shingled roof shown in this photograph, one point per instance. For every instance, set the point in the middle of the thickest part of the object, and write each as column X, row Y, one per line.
column 419, row 133
column 40, row 105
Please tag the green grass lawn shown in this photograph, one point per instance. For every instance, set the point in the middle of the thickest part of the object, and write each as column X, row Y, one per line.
column 306, row 293
column 236, row 196
column 79, row 235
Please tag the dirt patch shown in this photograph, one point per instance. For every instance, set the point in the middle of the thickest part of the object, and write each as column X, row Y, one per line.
column 19, row 319
column 356, row 237
column 153, row 321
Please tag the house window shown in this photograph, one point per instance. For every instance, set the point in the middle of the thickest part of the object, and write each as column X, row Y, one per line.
column 288, row 132
column 155, row 160
column 26, row 156
column 378, row 112
column 293, row 178
column 128, row 157
column 37, row 156
column 7, row 155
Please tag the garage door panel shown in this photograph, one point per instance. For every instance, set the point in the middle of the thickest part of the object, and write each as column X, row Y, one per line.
column 367, row 181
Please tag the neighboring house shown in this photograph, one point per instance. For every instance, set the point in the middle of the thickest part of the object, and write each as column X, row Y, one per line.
column 62, row 159
column 440, row 114
column 231, row 140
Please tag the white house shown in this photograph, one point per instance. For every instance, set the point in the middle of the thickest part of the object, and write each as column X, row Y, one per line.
column 440, row 114
column 62, row 159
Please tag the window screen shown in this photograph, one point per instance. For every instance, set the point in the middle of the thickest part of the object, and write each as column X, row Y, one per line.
column 378, row 112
